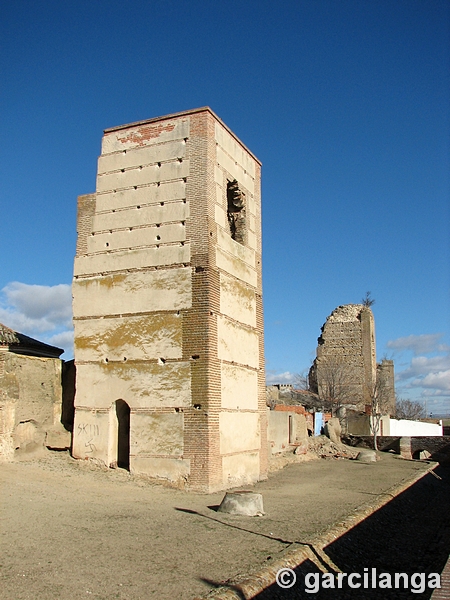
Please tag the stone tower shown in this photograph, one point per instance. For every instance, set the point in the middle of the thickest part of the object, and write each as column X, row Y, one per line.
column 385, row 374
column 345, row 365
column 168, row 306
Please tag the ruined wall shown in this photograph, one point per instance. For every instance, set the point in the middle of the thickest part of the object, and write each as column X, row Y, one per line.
column 346, row 355
column 287, row 430
column 299, row 410
column 410, row 446
column 167, row 304
column 30, row 403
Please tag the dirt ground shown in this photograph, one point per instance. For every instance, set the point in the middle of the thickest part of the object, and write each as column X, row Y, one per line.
column 70, row 530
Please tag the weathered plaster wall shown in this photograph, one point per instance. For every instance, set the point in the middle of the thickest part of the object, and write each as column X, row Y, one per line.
column 143, row 291
column 143, row 385
column 40, row 391
column 358, row 424
column 299, row 410
column 240, row 468
column 238, row 344
column 131, row 283
column 91, row 431
column 30, row 403
column 239, row 387
column 143, row 336
column 237, row 301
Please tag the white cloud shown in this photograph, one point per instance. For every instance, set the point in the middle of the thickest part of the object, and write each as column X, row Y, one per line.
column 419, row 344
column 36, row 307
column 40, row 311
column 425, row 377
column 62, row 340
column 440, row 382
column 272, row 377
column 422, row 366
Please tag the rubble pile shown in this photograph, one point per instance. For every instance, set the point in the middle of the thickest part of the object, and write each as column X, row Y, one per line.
column 323, row 447
column 314, row 448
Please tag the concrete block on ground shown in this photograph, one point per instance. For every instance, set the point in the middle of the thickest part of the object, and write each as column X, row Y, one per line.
column 367, row 456
column 244, row 503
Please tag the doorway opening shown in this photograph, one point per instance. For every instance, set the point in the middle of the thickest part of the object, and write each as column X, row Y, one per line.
column 291, row 430
column 123, row 434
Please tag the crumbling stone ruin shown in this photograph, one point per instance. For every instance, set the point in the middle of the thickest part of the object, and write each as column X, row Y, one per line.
column 167, row 300
column 30, row 395
column 236, row 211
column 345, row 369
column 385, row 373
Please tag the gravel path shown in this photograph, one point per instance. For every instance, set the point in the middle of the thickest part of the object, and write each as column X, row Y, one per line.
column 70, row 530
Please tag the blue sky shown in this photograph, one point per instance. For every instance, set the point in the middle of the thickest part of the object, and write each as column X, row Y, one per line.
column 345, row 102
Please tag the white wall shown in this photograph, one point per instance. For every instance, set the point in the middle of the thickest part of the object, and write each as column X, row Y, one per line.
column 413, row 428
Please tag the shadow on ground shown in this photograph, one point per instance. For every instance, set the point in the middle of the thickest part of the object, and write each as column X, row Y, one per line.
column 410, row 534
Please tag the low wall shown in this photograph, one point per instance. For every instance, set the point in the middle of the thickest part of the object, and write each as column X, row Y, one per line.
column 408, row 446
column 299, row 410
column 402, row 427
column 359, row 424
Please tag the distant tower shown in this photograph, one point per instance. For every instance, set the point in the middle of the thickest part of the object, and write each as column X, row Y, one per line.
column 167, row 299
column 385, row 374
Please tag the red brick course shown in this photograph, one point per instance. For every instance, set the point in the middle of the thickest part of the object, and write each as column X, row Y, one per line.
column 443, row 593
